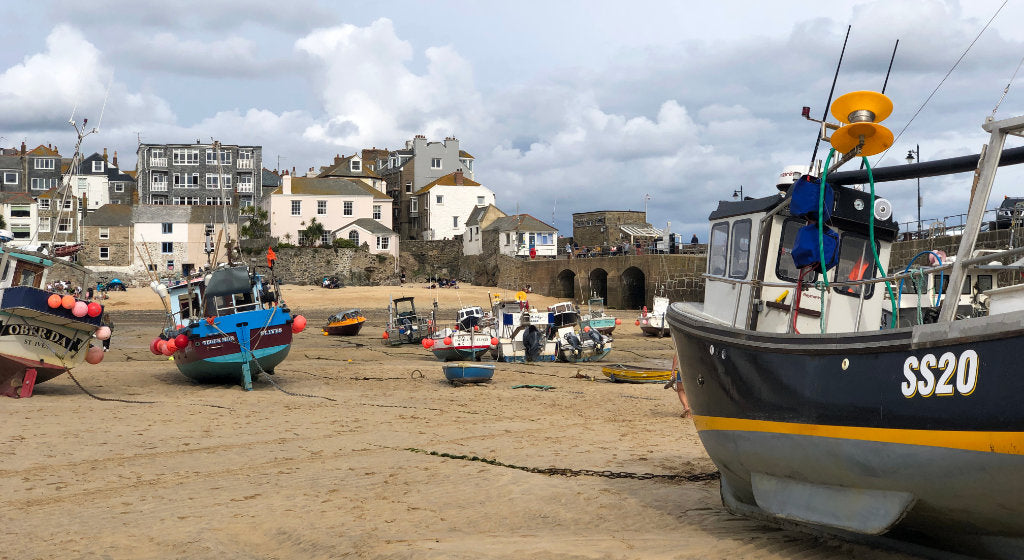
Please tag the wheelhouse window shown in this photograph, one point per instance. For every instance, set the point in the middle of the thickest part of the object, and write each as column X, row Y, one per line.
column 739, row 251
column 784, row 267
column 718, row 249
column 856, row 262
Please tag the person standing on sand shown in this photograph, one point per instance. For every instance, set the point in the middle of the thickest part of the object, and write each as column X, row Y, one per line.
column 677, row 379
column 106, row 320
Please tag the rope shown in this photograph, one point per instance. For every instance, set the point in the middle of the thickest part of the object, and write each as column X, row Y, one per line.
column 874, row 251
column 1007, row 90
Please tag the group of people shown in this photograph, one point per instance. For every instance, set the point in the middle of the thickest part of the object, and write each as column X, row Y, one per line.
column 444, row 283
column 65, row 287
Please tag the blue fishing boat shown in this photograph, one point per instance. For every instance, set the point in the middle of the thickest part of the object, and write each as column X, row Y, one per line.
column 458, row 373
column 227, row 326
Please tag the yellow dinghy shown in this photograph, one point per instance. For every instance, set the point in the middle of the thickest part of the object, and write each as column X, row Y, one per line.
column 637, row 374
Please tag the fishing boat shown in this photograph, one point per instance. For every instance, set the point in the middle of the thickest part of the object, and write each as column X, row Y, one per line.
column 227, row 325
column 43, row 334
column 816, row 415
column 653, row 322
column 522, row 331
column 346, row 323
column 460, row 373
column 621, row 373
column 574, row 343
column 597, row 318
column 468, row 340
column 405, row 326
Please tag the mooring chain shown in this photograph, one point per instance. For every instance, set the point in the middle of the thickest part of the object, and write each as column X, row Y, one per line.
column 554, row 471
column 129, row 401
column 270, row 378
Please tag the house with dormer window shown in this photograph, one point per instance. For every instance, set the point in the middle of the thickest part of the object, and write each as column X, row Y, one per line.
column 445, row 204
column 98, row 182
column 333, row 201
column 353, row 168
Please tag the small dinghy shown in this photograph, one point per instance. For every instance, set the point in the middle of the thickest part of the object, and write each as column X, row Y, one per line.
column 459, row 373
column 637, row 374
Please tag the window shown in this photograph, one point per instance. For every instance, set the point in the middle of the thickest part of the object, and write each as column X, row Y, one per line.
column 44, row 225
column 158, row 200
column 325, row 238
column 296, row 208
column 245, row 159
column 508, row 238
column 455, row 222
column 414, row 205
column 170, row 265
column 225, row 157
column 185, row 201
column 166, row 227
column 784, row 267
column 479, row 201
column 159, row 181
column 321, row 207
column 20, row 211
column 439, row 199
column 104, row 253
column 718, row 248
column 44, row 203
column 739, row 252
column 45, row 163
column 118, row 186
column 185, row 156
column 217, row 201
column 353, row 236
column 21, row 232
column 104, row 233
column 212, row 181
column 376, row 211
column 41, row 184
column 10, row 178
column 856, row 262
column 347, row 208
column 167, row 247
column 68, row 203
column 435, row 163
column 355, row 165
column 64, row 225
column 408, row 187
column 97, row 166
column 245, row 201
column 383, row 242
column 245, row 182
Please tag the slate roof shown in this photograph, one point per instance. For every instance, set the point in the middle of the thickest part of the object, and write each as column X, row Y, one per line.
column 524, row 222
column 448, row 181
column 343, row 168
column 478, row 213
column 16, row 198
column 372, row 226
column 327, row 186
column 194, row 214
column 465, row 154
column 271, row 179
column 117, row 215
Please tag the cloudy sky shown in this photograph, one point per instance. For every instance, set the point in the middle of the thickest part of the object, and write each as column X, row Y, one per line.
column 568, row 106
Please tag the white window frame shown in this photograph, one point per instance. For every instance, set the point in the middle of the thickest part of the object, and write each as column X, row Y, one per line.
column 439, row 199
column 353, row 236
column 408, row 187
column 104, row 253
column 377, row 211
column 212, row 181
column 119, row 186
column 64, row 225
column 455, row 222
column 383, row 242
column 10, row 177
column 44, row 163
column 355, row 166
column 414, row 204
column 97, row 166
column 436, row 163
column 44, row 203
column 185, row 156
column 296, row 208
column 321, row 208
column 166, row 247
column 245, row 182
column 44, row 224
column 479, row 201
column 167, row 228
column 68, row 204
column 104, row 232
column 348, row 208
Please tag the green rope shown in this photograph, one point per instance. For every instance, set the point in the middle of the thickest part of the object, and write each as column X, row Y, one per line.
column 821, row 222
column 874, row 251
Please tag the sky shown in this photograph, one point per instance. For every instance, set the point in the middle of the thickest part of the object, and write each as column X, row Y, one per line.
column 567, row 106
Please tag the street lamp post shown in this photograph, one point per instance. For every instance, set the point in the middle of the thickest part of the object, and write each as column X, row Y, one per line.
column 738, row 193
column 647, row 198
column 914, row 156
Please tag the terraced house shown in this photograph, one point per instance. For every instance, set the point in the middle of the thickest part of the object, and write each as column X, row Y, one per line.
column 200, row 174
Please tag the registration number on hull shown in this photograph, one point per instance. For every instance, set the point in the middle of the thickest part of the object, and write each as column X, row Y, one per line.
column 943, row 376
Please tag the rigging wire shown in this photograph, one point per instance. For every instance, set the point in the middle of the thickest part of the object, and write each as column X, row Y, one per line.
column 1007, row 89
column 942, row 81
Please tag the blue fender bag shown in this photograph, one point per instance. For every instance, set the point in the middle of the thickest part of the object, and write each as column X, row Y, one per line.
column 804, row 204
column 805, row 249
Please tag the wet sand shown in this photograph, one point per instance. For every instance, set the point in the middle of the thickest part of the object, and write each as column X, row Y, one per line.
column 172, row 469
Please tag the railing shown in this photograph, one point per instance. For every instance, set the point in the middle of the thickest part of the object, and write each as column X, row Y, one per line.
column 158, row 186
column 947, row 225
column 245, row 164
column 245, row 188
column 158, row 162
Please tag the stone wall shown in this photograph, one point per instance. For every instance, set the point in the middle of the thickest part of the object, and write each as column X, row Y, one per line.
column 426, row 259
column 309, row 266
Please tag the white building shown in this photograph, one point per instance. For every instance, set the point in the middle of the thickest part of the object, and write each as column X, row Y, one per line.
column 445, row 204
column 333, row 202
column 522, row 235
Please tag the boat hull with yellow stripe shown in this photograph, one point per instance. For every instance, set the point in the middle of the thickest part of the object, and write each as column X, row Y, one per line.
column 913, row 431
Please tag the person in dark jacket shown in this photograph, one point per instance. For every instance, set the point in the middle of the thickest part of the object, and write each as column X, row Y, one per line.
column 106, row 320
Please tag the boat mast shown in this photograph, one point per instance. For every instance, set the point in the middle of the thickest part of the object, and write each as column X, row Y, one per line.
column 987, row 166
column 228, row 246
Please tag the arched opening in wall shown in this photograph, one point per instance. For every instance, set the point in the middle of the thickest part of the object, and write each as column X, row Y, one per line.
column 634, row 288
column 565, row 284
column 598, row 284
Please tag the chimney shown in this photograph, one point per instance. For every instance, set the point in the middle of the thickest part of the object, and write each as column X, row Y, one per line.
column 114, row 163
column 286, row 183
column 23, row 147
column 104, row 154
column 458, row 177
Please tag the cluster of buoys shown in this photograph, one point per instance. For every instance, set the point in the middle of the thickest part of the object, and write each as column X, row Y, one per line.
column 298, row 324
column 77, row 307
column 427, row 342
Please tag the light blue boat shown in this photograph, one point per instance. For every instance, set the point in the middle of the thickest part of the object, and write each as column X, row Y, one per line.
column 458, row 373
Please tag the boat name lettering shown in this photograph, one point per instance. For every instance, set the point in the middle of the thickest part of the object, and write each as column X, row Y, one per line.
column 277, row 330
column 940, row 376
column 209, row 341
column 43, row 333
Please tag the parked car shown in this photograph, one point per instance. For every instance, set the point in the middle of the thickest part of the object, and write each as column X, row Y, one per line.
column 1010, row 209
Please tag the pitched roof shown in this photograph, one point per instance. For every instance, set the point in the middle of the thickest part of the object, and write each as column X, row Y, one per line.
column 523, row 222
column 16, row 198
column 372, row 226
column 42, row 150
column 271, row 179
column 327, row 186
column 448, row 181
column 342, row 167
column 109, row 215
column 478, row 214
column 195, row 214
column 465, row 154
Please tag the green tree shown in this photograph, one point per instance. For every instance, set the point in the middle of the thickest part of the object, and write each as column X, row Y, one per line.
column 256, row 224
column 313, row 233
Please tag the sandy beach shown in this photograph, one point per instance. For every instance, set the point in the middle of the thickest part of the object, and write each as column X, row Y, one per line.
column 172, row 469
